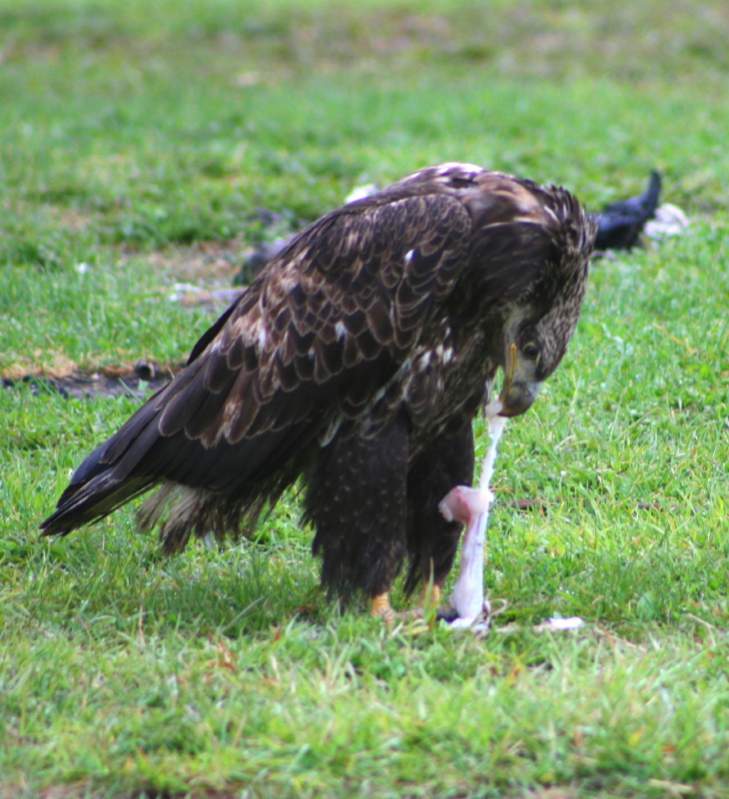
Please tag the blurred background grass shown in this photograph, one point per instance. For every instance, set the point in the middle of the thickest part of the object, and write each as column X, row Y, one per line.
column 131, row 127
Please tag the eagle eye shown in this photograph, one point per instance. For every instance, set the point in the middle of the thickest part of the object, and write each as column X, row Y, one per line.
column 530, row 350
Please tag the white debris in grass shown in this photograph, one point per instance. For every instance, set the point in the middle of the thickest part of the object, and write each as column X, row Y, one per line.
column 180, row 290
column 558, row 624
column 190, row 294
column 669, row 220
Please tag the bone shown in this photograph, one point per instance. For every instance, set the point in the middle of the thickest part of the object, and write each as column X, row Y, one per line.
column 471, row 506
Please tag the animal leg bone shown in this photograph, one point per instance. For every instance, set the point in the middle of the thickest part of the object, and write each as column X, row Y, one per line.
column 470, row 506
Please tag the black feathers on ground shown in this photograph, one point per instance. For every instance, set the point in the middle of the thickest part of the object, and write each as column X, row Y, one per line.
column 620, row 224
column 356, row 361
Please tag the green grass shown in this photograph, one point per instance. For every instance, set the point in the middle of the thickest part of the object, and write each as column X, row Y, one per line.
column 131, row 136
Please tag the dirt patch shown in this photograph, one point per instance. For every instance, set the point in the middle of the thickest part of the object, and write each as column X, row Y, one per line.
column 208, row 263
column 73, row 219
column 60, row 366
column 530, row 504
column 134, row 380
column 190, row 295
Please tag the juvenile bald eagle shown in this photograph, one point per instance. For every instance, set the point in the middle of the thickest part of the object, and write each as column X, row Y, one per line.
column 356, row 361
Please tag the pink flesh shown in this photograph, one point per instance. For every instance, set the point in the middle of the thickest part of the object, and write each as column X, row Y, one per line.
column 464, row 504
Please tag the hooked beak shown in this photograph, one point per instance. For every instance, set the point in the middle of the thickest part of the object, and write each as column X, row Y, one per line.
column 518, row 398
column 517, row 394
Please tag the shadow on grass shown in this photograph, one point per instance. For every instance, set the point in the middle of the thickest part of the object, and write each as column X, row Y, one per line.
column 122, row 583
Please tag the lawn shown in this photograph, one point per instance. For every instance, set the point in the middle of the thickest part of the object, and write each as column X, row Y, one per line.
column 144, row 145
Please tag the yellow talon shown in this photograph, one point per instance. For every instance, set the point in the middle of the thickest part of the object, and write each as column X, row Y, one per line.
column 381, row 609
column 431, row 595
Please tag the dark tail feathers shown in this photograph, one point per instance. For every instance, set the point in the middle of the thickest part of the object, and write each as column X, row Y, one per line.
column 106, row 479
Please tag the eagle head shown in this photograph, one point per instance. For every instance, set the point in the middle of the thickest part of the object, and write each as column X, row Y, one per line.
column 533, row 351
column 536, row 333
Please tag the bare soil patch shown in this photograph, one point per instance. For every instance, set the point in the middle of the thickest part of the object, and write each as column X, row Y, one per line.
column 204, row 263
column 135, row 380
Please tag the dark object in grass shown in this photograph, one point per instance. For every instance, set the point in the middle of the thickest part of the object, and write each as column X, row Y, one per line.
column 256, row 260
column 135, row 382
column 356, row 361
column 276, row 227
column 620, row 224
column 145, row 371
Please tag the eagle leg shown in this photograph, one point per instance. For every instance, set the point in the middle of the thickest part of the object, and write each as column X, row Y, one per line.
column 356, row 498
column 433, row 540
column 380, row 607
column 429, row 604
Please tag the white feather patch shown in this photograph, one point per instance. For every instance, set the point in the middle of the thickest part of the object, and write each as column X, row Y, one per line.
column 262, row 337
column 459, row 166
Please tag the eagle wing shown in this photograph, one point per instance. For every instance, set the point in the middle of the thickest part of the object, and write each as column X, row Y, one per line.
column 322, row 329
column 325, row 326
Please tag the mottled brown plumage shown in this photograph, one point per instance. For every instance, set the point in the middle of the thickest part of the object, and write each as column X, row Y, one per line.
column 357, row 360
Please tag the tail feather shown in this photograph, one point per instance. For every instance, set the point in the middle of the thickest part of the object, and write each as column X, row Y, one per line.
column 220, row 479
column 102, row 483
column 92, row 501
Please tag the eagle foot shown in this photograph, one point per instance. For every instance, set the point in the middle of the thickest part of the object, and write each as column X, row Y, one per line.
column 478, row 624
column 380, row 608
column 430, row 599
